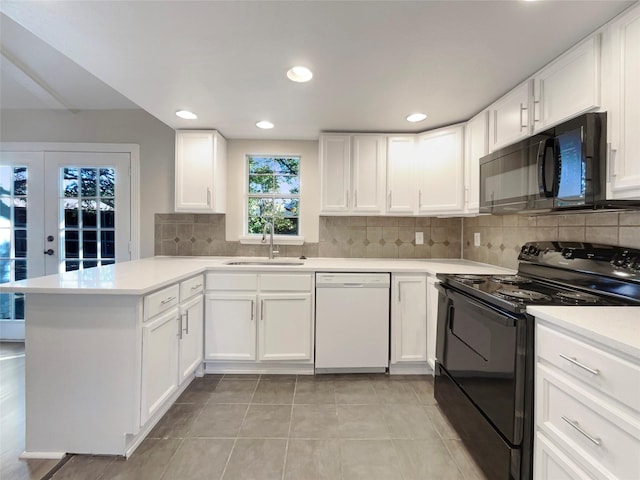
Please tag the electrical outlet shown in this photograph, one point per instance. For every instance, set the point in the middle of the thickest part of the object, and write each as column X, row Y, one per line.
column 476, row 239
column 419, row 238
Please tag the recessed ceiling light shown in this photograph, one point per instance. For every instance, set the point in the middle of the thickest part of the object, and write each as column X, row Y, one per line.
column 299, row 74
column 416, row 117
column 186, row 114
column 264, row 125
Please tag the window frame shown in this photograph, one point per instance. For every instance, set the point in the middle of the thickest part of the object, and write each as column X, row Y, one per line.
column 253, row 238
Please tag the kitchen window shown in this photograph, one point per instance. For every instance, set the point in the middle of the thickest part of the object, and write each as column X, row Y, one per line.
column 273, row 195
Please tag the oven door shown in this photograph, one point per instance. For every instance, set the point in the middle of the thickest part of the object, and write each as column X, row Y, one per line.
column 483, row 350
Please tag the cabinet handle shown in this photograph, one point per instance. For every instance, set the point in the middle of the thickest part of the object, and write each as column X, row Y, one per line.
column 186, row 330
column 522, row 109
column 389, row 201
column 574, row 424
column 261, row 310
column 536, row 111
column 578, row 364
column 252, row 309
column 208, row 197
column 346, row 196
column 399, row 292
column 168, row 300
column 356, row 198
column 611, row 153
column 196, row 287
column 419, row 198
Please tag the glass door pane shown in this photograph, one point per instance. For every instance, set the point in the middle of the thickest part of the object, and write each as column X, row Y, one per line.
column 21, row 223
column 92, row 209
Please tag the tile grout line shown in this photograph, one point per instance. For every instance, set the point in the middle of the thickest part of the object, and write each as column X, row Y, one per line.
column 235, row 440
column 166, row 467
column 286, row 448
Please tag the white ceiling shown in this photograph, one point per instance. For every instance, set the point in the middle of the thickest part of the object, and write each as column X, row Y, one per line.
column 374, row 61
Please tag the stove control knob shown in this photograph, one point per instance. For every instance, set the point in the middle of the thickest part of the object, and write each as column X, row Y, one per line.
column 533, row 250
column 524, row 250
column 567, row 253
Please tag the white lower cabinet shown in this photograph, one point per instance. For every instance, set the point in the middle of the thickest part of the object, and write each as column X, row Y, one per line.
column 432, row 320
column 160, row 343
column 409, row 322
column 285, row 326
column 191, row 336
column 259, row 322
column 230, row 326
column 587, row 408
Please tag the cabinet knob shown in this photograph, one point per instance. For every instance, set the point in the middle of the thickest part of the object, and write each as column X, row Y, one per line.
column 49, row 252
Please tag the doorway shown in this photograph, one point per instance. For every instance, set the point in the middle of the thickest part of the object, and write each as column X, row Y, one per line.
column 62, row 208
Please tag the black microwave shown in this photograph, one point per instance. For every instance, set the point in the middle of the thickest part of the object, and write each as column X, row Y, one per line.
column 561, row 168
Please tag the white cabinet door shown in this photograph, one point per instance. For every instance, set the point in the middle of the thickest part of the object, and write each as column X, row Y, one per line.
column 409, row 318
column 509, row 121
column 368, row 163
column 335, row 157
column 476, row 135
column 159, row 362
column 401, row 188
column 568, row 86
column 286, row 326
column 230, row 327
column 191, row 341
column 201, row 176
column 439, row 171
column 624, row 112
column 432, row 319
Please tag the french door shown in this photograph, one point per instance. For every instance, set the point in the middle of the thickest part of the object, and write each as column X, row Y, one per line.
column 59, row 211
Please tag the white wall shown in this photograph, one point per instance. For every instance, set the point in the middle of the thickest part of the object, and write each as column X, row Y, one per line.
column 237, row 150
column 156, row 142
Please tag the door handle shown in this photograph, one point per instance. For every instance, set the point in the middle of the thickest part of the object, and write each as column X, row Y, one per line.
column 49, row 252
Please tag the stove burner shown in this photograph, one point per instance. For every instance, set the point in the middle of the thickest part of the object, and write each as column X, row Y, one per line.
column 471, row 278
column 510, row 279
column 578, row 297
column 523, row 294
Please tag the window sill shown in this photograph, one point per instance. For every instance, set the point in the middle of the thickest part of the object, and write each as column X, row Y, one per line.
column 277, row 240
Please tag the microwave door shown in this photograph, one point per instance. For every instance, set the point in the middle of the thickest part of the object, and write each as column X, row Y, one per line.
column 547, row 173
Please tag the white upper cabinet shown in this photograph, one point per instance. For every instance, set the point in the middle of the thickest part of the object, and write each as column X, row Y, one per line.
column 368, row 164
column 201, row 171
column 624, row 109
column 401, row 185
column 476, row 136
column 568, row 86
column 352, row 173
column 439, row 171
column 335, row 172
column 509, row 117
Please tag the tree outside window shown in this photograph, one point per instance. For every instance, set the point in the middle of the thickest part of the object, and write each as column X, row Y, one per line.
column 274, row 194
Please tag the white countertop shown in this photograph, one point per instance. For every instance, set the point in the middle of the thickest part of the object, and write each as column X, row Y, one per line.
column 616, row 327
column 139, row 277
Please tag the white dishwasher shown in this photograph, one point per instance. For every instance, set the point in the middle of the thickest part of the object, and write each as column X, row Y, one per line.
column 352, row 322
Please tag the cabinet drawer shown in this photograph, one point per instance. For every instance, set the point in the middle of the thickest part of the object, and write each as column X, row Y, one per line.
column 285, row 281
column 161, row 300
column 587, row 424
column 552, row 463
column 604, row 371
column 232, row 281
column 191, row 287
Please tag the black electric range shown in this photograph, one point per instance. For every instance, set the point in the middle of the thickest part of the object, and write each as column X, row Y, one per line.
column 485, row 342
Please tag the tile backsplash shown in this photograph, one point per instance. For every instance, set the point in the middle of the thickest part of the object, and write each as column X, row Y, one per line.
column 372, row 237
column 501, row 236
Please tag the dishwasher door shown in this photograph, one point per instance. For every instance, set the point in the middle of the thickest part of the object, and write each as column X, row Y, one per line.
column 352, row 322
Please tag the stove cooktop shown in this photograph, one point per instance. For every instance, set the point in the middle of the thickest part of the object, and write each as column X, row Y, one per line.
column 515, row 292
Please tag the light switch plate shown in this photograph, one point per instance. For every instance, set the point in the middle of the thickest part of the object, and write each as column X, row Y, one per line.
column 419, row 238
column 476, row 239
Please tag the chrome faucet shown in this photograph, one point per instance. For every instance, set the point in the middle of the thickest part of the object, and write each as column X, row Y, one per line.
column 264, row 239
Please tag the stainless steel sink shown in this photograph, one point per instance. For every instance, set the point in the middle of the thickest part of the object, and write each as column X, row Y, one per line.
column 265, row 262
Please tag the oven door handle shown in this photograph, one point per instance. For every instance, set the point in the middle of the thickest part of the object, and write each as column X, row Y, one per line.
column 498, row 316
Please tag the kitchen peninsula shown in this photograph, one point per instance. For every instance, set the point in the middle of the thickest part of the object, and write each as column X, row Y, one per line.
column 110, row 349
